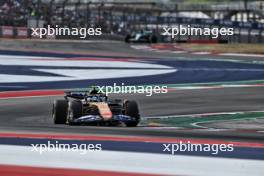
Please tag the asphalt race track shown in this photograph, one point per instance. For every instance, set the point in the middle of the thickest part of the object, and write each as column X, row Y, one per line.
column 224, row 93
column 34, row 113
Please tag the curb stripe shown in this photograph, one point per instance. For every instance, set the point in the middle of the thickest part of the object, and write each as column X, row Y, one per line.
column 172, row 49
column 31, row 93
column 13, row 170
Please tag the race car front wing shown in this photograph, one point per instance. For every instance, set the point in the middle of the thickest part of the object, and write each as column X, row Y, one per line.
column 98, row 120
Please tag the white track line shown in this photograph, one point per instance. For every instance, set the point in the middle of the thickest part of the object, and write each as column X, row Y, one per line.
column 132, row 162
column 203, row 114
column 240, row 54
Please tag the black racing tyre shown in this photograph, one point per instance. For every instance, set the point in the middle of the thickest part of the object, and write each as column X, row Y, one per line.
column 131, row 109
column 127, row 38
column 153, row 39
column 74, row 111
column 59, row 111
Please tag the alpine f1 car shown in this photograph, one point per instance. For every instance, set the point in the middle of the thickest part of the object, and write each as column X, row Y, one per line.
column 141, row 37
column 93, row 108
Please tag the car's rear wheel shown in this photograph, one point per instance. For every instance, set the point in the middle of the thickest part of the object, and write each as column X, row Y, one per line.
column 153, row 39
column 127, row 38
column 74, row 111
column 131, row 109
column 59, row 111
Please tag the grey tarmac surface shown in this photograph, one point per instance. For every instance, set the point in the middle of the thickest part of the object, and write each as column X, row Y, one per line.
column 34, row 114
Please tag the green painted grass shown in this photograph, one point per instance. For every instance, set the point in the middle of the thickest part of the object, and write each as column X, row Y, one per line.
column 187, row 121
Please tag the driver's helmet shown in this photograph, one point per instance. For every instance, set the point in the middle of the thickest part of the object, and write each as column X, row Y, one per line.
column 94, row 91
column 95, row 99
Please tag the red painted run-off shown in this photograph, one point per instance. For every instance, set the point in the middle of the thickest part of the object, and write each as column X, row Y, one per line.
column 30, row 93
column 12, row 170
column 130, row 139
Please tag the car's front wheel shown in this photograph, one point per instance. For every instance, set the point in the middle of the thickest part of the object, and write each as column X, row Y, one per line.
column 59, row 111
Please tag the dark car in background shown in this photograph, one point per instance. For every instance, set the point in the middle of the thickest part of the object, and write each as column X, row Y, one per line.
column 141, row 37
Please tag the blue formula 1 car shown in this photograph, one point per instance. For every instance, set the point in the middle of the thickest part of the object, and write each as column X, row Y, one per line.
column 93, row 108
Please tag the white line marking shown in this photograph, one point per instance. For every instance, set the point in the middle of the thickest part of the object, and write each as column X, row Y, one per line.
column 81, row 74
column 201, row 53
column 132, row 162
column 203, row 114
column 240, row 54
column 78, row 73
column 215, row 87
column 212, row 121
column 22, row 61
column 178, row 52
